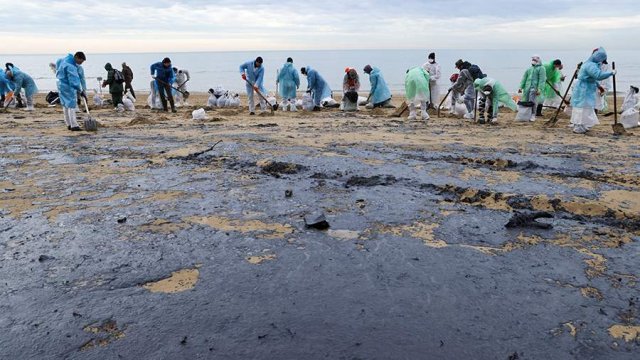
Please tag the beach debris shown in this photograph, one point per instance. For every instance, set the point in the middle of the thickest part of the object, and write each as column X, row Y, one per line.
column 277, row 168
column 316, row 220
column 196, row 154
column 122, row 220
column 529, row 220
column 288, row 193
column 401, row 110
column 371, row 181
column 43, row 258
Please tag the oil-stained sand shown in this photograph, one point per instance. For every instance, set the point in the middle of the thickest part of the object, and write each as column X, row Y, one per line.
column 144, row 240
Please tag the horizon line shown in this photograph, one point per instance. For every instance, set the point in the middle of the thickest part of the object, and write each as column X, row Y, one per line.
column 298, row 50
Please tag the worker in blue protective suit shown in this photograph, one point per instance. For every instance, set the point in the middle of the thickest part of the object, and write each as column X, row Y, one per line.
column 288, row 82
column 252, row 73
column 22, row 80
column 583, row 98
column 6, row 88
column 163, row 74
column 316, row 86
column 379, row 95
column 70, row 77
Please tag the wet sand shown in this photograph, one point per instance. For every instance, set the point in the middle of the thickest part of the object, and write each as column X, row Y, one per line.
column 141, row 241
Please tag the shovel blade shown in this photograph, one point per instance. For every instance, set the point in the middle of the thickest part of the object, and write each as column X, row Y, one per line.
column 618, row 129
column 90, row 124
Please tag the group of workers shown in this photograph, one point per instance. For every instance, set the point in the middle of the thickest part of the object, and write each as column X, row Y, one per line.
column 540, row 86
column 288, row 83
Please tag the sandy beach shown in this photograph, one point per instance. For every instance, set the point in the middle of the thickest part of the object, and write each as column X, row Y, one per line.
column 164, row 237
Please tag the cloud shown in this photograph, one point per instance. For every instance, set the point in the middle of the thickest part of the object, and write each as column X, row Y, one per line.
column 138, row 26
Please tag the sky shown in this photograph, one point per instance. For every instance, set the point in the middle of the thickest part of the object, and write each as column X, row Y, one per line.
column 131, row 26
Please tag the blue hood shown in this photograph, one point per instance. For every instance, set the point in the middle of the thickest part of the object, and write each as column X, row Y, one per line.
column 599, row 56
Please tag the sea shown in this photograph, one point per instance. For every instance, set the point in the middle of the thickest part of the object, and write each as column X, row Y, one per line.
column 211, row 69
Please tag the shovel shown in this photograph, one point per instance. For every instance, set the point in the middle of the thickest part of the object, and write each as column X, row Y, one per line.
column 557, row 93
column 89, row 123
column 277, row 77
column 618, row 129
column 184, row 93
column 475, row 107
column 554, row 119
column 442, row 102
column 272, row 107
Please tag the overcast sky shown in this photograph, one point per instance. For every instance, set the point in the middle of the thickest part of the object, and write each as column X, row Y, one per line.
column 158, row 26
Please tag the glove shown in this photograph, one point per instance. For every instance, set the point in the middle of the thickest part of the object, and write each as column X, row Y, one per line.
column 256, row 88
column 614, row 72
column 83, row 94
column 244, row 76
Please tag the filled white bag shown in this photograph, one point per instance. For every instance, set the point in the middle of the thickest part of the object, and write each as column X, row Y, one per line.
column 630, row 118
column 329, row 102
column 234, row 101
column 97, row 99
column 222, row 100
column 199, row 114
column 307, row 102
column 630, row 100
column 212, row 101
column 128, row 104
column 524, row 113
column 460, row 109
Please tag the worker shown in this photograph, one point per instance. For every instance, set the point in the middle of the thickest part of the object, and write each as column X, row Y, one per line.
column 128, row 79
column 253, row 74
column 553, row 86
column 115, row 84
column 492, row 94
column 288, row 82
column 316, row 86
column 182, row 77
column 583, row 99
column 19, row 81
column 163, row 74
column 416, row 85
column 464, row 86
column 379, row 95
column 532, row 85
column 6, row 89
column 433, row 68
column 350, row 88
column 604, row 86
column 70, row 80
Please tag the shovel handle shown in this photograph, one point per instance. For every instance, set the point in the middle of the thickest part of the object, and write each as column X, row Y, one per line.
column 86, row 107
column 615, row 95
column 442, row 102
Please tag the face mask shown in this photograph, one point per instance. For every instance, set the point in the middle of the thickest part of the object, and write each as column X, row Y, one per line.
column 534, row 63
column 431, row 61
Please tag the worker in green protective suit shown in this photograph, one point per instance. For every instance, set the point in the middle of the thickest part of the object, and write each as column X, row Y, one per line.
column 416, row 85
column 532, row 85
column 115, row 83
column 492, row 94
column 551, row 86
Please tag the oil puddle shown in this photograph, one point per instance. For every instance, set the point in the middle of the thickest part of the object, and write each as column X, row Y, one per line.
column 179, row 281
